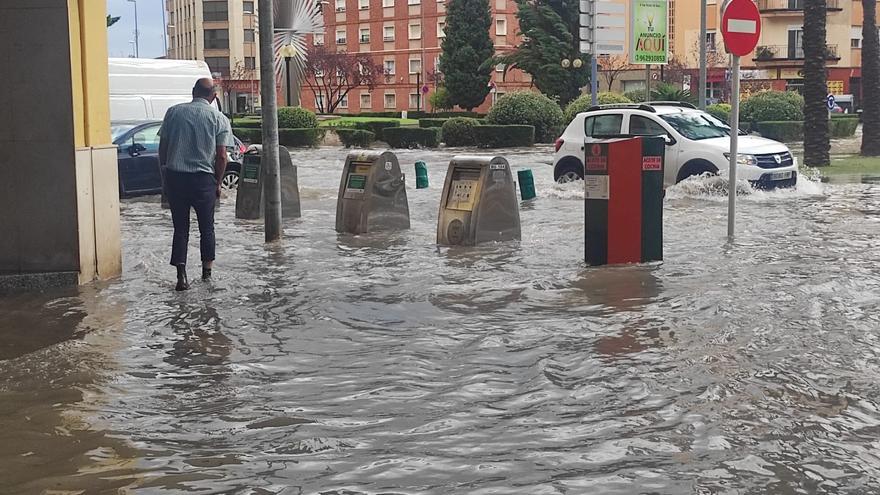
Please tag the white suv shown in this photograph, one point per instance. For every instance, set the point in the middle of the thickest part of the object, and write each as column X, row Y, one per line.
column 696, row 143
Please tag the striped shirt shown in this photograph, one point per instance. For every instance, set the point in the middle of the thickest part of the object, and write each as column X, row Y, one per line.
column 193, row 131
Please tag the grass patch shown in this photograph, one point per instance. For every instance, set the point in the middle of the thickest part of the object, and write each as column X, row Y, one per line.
column 852, row 165
column 344, row 121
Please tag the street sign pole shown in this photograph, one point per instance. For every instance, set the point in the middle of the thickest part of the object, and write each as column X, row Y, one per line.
column 594, row 63
column 734, row 144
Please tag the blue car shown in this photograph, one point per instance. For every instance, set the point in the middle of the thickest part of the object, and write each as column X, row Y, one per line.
column 138, row 157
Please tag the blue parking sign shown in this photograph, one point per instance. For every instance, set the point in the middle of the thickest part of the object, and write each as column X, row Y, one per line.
column 829, row 100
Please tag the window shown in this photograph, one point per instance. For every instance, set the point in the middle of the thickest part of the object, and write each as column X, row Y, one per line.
column 250, row 63
column 365, row 35
column 340, row 5
column 340, row 36
column 390, row 100
column 249, row 36
column 414, row 100
column 643, row 126
column 389, row 67
column 714, row 91
column 319, row 73
column 710, row 41
column 636, row 85
column 500, row 27
column 343, row 103
column 499, row 68
column 215, row 11
column 319, row 39
column 388, row 3
column 796, row 43
column 415, row 31
column 388, row 33
column 441, row 29
column 364, row 4
column 413, row 2
column 218, row 64
column 415, row 65
column 319, row 101
column 248, row 7
column 148, row 138
column 856, row 37
column 603, row 125
column 366, row 101
column 216, row 39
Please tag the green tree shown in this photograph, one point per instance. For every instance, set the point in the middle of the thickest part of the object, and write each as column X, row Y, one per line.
column 550, row 35
column 466, row 48
column 817, row 135
column 870, row 81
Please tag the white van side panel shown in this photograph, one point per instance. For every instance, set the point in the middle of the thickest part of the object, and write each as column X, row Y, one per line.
column 128, row 108
column 147, row 88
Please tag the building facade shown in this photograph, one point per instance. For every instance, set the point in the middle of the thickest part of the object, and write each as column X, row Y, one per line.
column 223, row 33
column 404, row 36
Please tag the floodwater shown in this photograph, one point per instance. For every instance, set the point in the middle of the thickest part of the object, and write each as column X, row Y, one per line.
column 382, row 364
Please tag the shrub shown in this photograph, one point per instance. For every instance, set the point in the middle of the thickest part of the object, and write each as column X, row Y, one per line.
column 669, row 92
column 425, row 123
column 841, row 127
column 460, row 131
column 773, row 106
column 720, row 111
column 785, row 131
column 528, row 108
column 583, row 102
column 249, row 123
column 387, row 115
column 248, row 135
column 355, row 137
column 635, row 96
column 377, row 127
column 503, row 136
column 439, row 100
column 299, row 138
column 412, row 137
column 296, row 118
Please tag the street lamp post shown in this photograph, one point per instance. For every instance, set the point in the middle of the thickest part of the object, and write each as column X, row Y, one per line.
column 137, row 53
column 288, row 52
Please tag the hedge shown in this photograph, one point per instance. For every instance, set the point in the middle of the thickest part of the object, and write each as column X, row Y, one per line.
column 411, row 137
column 436, row 122
column 296, row 118
column 843, row 127
column 377, row 127
column 529, row 108
column 294, row 138
column 720, row 111
column 784, row 131
column 394, row 115
column 504, row 136
column 249, row 124
column 773, row 106
column 459, row 131
column 248, row 134
column 355, row 137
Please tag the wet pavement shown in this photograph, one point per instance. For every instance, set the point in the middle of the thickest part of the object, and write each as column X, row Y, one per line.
column 382, row 364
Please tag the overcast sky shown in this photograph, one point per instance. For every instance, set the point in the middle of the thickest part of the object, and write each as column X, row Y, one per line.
column 149, row 24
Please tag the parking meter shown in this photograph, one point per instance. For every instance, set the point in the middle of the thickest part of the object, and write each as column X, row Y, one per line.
column 372, row 194
column 249, row 199
column 478, row 203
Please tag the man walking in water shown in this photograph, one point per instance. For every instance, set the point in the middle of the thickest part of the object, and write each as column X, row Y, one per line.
column 192, row 153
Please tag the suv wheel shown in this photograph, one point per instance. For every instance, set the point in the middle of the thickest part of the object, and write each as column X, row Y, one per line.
column 569, row 170
column 230, row 180
column 695, row 168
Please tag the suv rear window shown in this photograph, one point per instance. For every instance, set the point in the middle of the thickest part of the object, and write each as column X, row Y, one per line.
column 603, row 125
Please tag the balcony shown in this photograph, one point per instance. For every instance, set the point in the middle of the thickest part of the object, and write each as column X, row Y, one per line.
column 785, row 55
column 792, row 7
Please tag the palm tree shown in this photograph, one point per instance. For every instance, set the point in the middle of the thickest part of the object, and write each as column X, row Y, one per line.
column 870, row 81
column 817, row 137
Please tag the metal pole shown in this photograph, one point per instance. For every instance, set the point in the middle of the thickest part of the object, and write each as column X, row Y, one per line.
column 164, row 30
column 269, row 155
column 594, row 62
column 703, row 78
column 419, row 91
column 734, row 138
column 287, row 81
column 137, row 51
column 647, row 82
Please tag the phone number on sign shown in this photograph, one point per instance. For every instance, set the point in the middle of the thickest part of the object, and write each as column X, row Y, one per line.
column 650, row 59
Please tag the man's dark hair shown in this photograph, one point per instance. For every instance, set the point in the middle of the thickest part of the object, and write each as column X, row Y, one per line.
column 202, row 91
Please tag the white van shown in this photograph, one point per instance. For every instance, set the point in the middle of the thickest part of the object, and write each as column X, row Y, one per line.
column 144, row 89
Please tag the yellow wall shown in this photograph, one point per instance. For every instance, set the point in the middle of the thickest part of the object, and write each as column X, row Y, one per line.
column 91, row 85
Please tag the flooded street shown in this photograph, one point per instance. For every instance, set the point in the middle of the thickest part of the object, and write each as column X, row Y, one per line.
column 382, row 364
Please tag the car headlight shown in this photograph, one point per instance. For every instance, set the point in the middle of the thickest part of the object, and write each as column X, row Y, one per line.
column 743, row 159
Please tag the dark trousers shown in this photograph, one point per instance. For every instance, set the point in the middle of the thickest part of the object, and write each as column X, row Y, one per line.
column 197, row 191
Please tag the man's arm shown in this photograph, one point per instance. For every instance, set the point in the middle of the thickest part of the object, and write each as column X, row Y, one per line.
column 224, row 140
column 220, row 165
column 163, row 139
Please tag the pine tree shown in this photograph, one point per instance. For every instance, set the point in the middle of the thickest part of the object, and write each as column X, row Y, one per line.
column 466, row 48
column 870, row 81
column 817, row 137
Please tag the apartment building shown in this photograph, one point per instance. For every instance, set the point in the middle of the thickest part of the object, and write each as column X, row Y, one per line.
column 404, row 36
column 223, row 34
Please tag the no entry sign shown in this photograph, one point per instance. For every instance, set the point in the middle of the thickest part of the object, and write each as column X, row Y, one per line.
column 741, row 27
